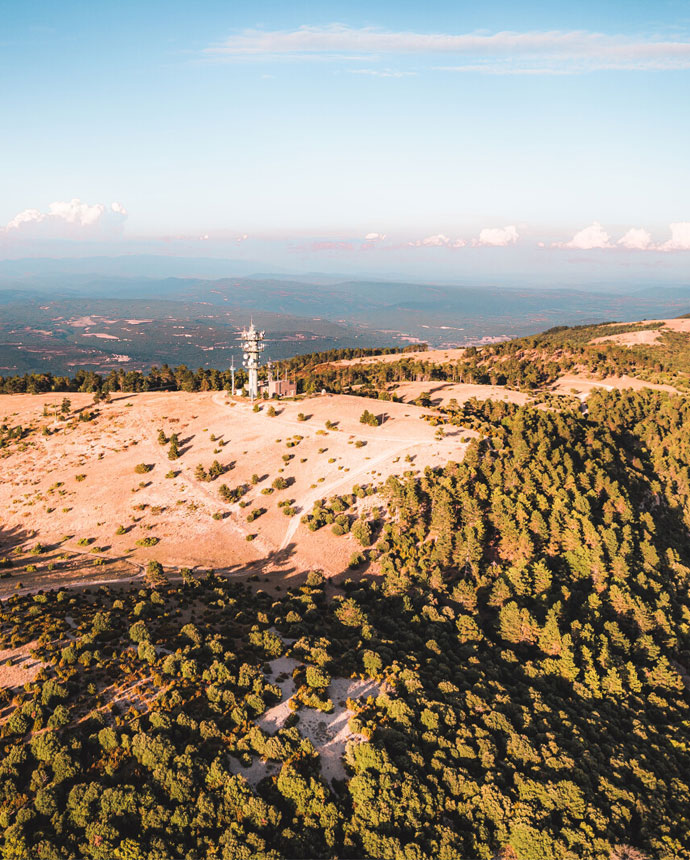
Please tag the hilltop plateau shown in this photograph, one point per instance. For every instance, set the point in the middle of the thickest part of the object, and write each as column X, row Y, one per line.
column 92, row 491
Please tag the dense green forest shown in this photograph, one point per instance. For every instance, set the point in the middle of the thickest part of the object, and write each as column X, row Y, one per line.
column 527, row 363
column 529, row 629
column 167, row 378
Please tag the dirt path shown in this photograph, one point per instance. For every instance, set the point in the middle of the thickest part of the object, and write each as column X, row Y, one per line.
column 307, row 501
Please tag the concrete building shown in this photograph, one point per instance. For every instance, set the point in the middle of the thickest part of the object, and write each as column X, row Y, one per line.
column 278, row 387
column 281, row 388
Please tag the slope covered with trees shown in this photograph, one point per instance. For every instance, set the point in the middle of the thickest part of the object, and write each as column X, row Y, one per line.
column 529, row 632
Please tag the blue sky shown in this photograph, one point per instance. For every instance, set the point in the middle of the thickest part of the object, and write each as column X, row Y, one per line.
column 311, row 126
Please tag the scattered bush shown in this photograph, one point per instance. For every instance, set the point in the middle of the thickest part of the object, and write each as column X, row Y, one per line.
column 368, row 418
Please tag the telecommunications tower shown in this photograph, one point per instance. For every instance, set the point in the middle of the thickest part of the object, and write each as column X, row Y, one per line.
column 232, row 373
column 253, row 345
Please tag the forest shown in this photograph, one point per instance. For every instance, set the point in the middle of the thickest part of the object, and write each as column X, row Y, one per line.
column 527, row 364
column 527, row 626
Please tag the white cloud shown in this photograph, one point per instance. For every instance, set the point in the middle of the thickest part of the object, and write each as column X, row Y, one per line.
column 497, row 237
column 375, row 237
column 440, row 240
column 71, row 219
column 636, row 239
column 534, row 52
column 680, row 237
column 591, row 237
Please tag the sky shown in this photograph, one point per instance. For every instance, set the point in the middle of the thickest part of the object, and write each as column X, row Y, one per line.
column 437, row 138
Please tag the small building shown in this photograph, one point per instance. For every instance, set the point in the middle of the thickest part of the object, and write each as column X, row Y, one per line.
column 281, row 388
column 278, row 387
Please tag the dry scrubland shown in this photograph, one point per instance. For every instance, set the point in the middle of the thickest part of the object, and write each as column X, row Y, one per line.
column 73, row 488
column 647, row 335
column 46, row 500
column 436, row 356
column 578, row 384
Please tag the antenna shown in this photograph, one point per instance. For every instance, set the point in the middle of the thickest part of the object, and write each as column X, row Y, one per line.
column 232, row 373
column 252, row 345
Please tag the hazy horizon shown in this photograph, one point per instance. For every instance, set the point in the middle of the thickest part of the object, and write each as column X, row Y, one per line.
column 517, row 144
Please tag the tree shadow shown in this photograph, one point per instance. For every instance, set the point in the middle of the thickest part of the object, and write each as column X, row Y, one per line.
column 280, row 561
column 11, row 538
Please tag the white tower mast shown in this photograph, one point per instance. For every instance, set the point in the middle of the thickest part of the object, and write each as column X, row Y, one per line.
column 232, row 374
column 252, row 344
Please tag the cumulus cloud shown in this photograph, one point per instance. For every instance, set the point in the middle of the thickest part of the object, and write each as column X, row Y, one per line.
column 375, row 237
column 439, row 240
column 71, row 219
column 636, row 239
column 591, row 237
column 497, row 237
column 680, row 237
column 505, row 51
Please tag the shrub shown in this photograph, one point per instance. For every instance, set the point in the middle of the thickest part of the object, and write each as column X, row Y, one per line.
column 368, row 418
column 154, row 571
column 362, row 532
column 215, row 470
column 143, row 468
column 148, row 541
column 279, row 484
column 174, row 449
column 317, row 677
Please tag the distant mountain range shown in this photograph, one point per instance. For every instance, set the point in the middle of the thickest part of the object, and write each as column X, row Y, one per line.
column 43, row 305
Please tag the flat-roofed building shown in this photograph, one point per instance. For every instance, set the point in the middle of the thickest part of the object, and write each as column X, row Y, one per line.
column 281, row 388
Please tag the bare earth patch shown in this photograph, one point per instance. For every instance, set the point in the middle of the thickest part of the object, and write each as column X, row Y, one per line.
column 443, row 392
column 648, row 336
column 582, row 385
column 329, row 733
column 434, row 356
column 17, row 666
